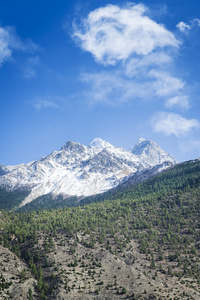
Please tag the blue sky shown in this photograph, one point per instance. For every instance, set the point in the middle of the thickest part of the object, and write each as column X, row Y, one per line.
column 74, row 70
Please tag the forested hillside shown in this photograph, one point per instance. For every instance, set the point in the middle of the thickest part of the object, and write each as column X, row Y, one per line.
column 180, row 177
column 141, row 243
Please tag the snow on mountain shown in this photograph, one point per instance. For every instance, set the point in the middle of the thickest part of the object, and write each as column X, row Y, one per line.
column 99, row 143
column 82, row 170
column 150, row 153
column 3, row 170
column 145, row 174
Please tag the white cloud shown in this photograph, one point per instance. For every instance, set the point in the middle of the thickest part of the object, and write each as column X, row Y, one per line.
column 164, row 84
column 183, row 27
column 195, row 22
column 171, row 123
column 112, row 33
column 5, row 51
column 46, row 102
column 9, row 42
column 141, row 65
column 142, row 48
column 180, row 101
column 113, row 88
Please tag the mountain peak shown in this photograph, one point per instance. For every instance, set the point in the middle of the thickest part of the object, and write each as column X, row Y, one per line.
column 141, row 140
column 142, row 144
column 82, row 170
column 99, row 143
column 72, row 146
column 151, row 153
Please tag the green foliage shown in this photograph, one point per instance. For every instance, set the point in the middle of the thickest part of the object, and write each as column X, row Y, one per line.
column 49, row 202
column 11, row 199
column 4, row 284
column 124, row 290
column 30, row 294
column 161, row 214
column 181, row 177
column 23, row 275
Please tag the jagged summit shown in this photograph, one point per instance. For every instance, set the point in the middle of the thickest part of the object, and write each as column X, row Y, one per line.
column 78, row 170
column 72, row 145
column 68, row 144
column 99, row 143
column 143, row 145
column 141, row 140
column 151, row 153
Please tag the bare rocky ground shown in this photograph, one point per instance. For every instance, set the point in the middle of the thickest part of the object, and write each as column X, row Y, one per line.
column 81, row 272
column 15, row 277
column 99, row 274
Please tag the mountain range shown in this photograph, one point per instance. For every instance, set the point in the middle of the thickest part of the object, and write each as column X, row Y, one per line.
column 78, row 170
column 138, row 240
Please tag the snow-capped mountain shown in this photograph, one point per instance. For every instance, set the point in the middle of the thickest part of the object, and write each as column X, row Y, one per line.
column 150, row 153
column 82, row 170
column 99, row 143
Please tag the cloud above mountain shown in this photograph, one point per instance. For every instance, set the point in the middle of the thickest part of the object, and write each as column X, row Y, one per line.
column 10, row 43
column 137, row 54
column 171, row 123
column 114, row 87
column 138, row 58
column 114, row 33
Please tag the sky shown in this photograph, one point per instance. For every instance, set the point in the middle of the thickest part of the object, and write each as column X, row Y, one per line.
column 117, row 70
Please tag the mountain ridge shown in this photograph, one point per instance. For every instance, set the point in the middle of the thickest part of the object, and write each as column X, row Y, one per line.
column 78, row 170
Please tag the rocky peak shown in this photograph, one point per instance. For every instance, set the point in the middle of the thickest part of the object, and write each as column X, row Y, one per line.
column 82, row 170
column 149, row 152
column 143, row 146
column 72, row 146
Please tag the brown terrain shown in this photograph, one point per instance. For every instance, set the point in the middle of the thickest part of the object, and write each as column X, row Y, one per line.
column 79, row 272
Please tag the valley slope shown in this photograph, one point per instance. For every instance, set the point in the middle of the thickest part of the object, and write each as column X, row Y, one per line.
column 142, row 242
